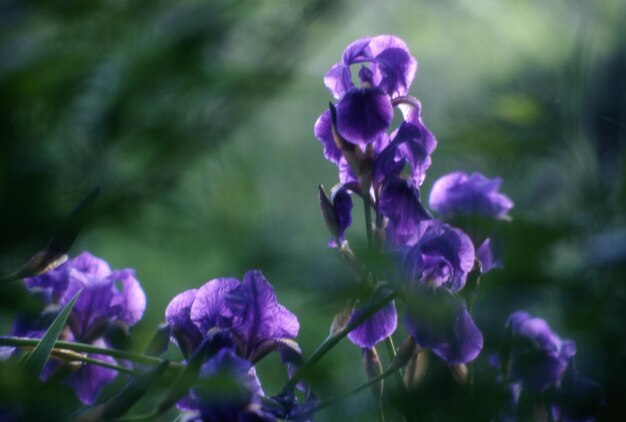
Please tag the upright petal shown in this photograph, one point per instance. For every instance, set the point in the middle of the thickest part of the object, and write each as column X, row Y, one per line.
column 338, row 80
column 209, row 307
column 257, row 315
column 178, row 316
column 394, row 66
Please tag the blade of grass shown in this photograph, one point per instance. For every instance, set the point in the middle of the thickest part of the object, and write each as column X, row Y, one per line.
column 39, row 356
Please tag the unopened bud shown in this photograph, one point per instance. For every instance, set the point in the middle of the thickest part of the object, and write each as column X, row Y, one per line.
column 373, row 369
column 341, row 320
column 407, row 349
column 415, row 369
column 328, row 212
column 459, row 373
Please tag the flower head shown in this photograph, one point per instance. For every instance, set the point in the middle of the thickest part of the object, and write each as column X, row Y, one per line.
column 109, row 297
column 248, row 310
column 538, row 357
column 474, row 195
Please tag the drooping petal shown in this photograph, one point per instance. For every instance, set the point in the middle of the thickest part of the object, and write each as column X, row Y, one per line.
column 209, row 307
column 324, row 133
column 377, row 328
column 400, row 203
column 440, row 322
column 178, row 316
column 362, row 114
column 394, row 67
column 89, row 380
column 257, row 315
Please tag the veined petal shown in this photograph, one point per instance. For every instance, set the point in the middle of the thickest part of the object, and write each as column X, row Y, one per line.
column 178, row 316
column 257, row 315
column 375, row 329
column 338, row 80
column 209, row 307
column 362, row 114
column 394, row 67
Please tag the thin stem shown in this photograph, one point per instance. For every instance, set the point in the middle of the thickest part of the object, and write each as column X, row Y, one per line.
column 358, row 389
column 330, row 342
column 88, row 348
column 368, row 220
column 143, row 417
column 68, row 356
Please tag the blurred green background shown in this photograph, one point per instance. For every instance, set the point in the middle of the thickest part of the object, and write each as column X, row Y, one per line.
column 196, row 117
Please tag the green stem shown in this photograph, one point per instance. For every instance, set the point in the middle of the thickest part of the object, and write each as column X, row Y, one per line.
column 368, row 220
column 78, row 357
column 144, row 417
column 332, row 341
column 88, row 348
column 358, row 389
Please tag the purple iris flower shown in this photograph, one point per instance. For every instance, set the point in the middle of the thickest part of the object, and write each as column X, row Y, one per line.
column 227, row 390
column 475, row 197
column 460, row 194
column 436, row 262
column 364, row 113
column 109, row 297
column 538, row 357
column 249, row 310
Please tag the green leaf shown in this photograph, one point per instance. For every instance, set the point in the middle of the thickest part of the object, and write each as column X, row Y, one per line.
column 39, row 356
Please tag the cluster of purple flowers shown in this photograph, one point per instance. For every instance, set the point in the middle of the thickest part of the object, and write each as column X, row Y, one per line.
column 434, row 258
column 387, row 170
column 110, row 301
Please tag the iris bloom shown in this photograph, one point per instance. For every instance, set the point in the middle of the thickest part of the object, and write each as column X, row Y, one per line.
column 474, row 196
column 248, row 312
column 538, row 356
column 109, row 299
